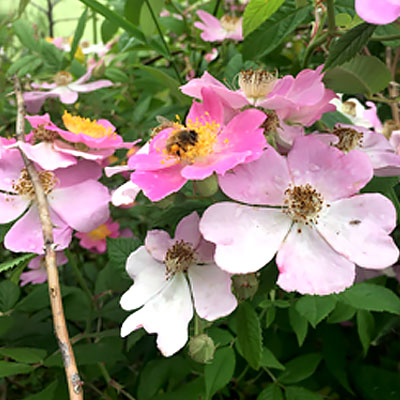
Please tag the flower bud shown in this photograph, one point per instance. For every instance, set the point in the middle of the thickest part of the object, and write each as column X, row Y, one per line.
column 245, row 286
column 207, row 187
column 201, row 348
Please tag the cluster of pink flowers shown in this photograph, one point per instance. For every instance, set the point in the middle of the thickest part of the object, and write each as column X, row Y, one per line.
column 296, row 200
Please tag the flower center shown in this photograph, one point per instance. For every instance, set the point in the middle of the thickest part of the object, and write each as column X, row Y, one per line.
column 86, row 126
column 229, row 23
column 193, row 141
column 100, row 233
column 303, row 204
column 62, row 78
column 179, row 258
column 256, row 84
column 349, row 108
column 24, row 187
column 349, row 138
column 41, row 134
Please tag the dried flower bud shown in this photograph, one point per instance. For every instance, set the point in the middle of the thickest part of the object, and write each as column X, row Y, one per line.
column 245, row 286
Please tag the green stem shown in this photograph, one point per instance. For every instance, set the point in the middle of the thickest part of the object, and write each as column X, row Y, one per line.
column 197, row 329
column 95, row 39
column 312, row 46
column 216, row 7
column 78, row 275
column 385, row 37
column 383, row 99
column 171, row 59
column 331, row 17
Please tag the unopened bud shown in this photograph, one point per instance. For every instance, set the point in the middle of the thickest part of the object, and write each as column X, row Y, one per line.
column 201, row 348
column 207, row 187
column 245, row 286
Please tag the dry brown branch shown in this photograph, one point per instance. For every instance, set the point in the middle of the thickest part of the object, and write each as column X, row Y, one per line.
column 60, row 327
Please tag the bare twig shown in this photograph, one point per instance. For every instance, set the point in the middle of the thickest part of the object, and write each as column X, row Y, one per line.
column 393, row 85
column 60, row 327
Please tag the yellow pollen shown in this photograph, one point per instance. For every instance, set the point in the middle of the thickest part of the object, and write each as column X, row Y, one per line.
column 100, row 233
column 193, row 141
column 86, row 126
column 303, row 204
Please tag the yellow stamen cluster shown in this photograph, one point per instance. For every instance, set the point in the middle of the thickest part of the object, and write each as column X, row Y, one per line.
column 256, row 84
column 100, row 233
column 230, row 23
column 179, row 258
column 86, row 126
column 24, row 187
column 349, row 138
column 199, row 143
column 62, row 78
column 303, row 204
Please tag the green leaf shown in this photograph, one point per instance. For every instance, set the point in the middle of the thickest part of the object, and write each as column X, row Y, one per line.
column 270, row 317
column 330, row 119
column 24, row 354
column 315, row 308
column 299, row 325
column 119, row 250
column 365, row 329
column 299, row 393
column 271, row 392
column 23, row 29
column 342, row 312
column 249, row 334
column 370, row 297
column 220, row 337
column 348, row 45
column 80, row 28
column 146, row 20
column 268, row 360
column 300, row 368
column 12, row 368
column 258, row 11
column 108, row 30
column 9, row 295
column 116, row 75
column 271, row 33
column 388, row 30
column 132, row 10
column 219, row 373
column 115, row 19
column 49, row 393
column 36, row 300
column 361, row 75
column 21, row 63
column 168, row 82
column 4, row 266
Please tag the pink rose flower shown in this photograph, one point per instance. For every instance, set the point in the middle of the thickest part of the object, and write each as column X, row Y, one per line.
column 76, row 201
column 215, row 30
column 38, row 273
column 382, row 155
column 64, row 88
column 378, row 12
column 198, row 149
column 52, row 147
column 296, row 101
column 95, row 240
column 318, row 227
column 171, row 276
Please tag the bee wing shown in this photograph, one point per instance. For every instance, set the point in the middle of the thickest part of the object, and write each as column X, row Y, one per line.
column 162, row 120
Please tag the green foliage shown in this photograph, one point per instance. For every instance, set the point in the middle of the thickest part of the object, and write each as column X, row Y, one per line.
column 300, row 368
column 315, row 308
column 272, row 392
column 348, row 45
column 6, row 265
column 78, row 33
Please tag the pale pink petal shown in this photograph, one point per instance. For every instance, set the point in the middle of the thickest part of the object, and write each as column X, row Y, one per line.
column 34, row 100
column 26, row 234
column 168, row 314
column 94, row 155
column 205, row 251
column 80, row 172
column 263, row 181
column 11, row 207
column 11, row 165
column 46, row 157
column 209, row 19
column 125, row 194
column 371, row 115
column 188, row 230
column 149, row 279
column 157, row 243
column 35, row 277
column 247, row 238
column 158, row 184
column 83, row 206
column 194, row 86
column 90, row 87
column 331, row 172
column 308, row 265
column 378, row 12
column 117, row 169
column 66, row 95
column 359, row 227
column 212, row 294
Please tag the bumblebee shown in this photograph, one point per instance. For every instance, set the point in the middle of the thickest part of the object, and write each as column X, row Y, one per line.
column 179, row 142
